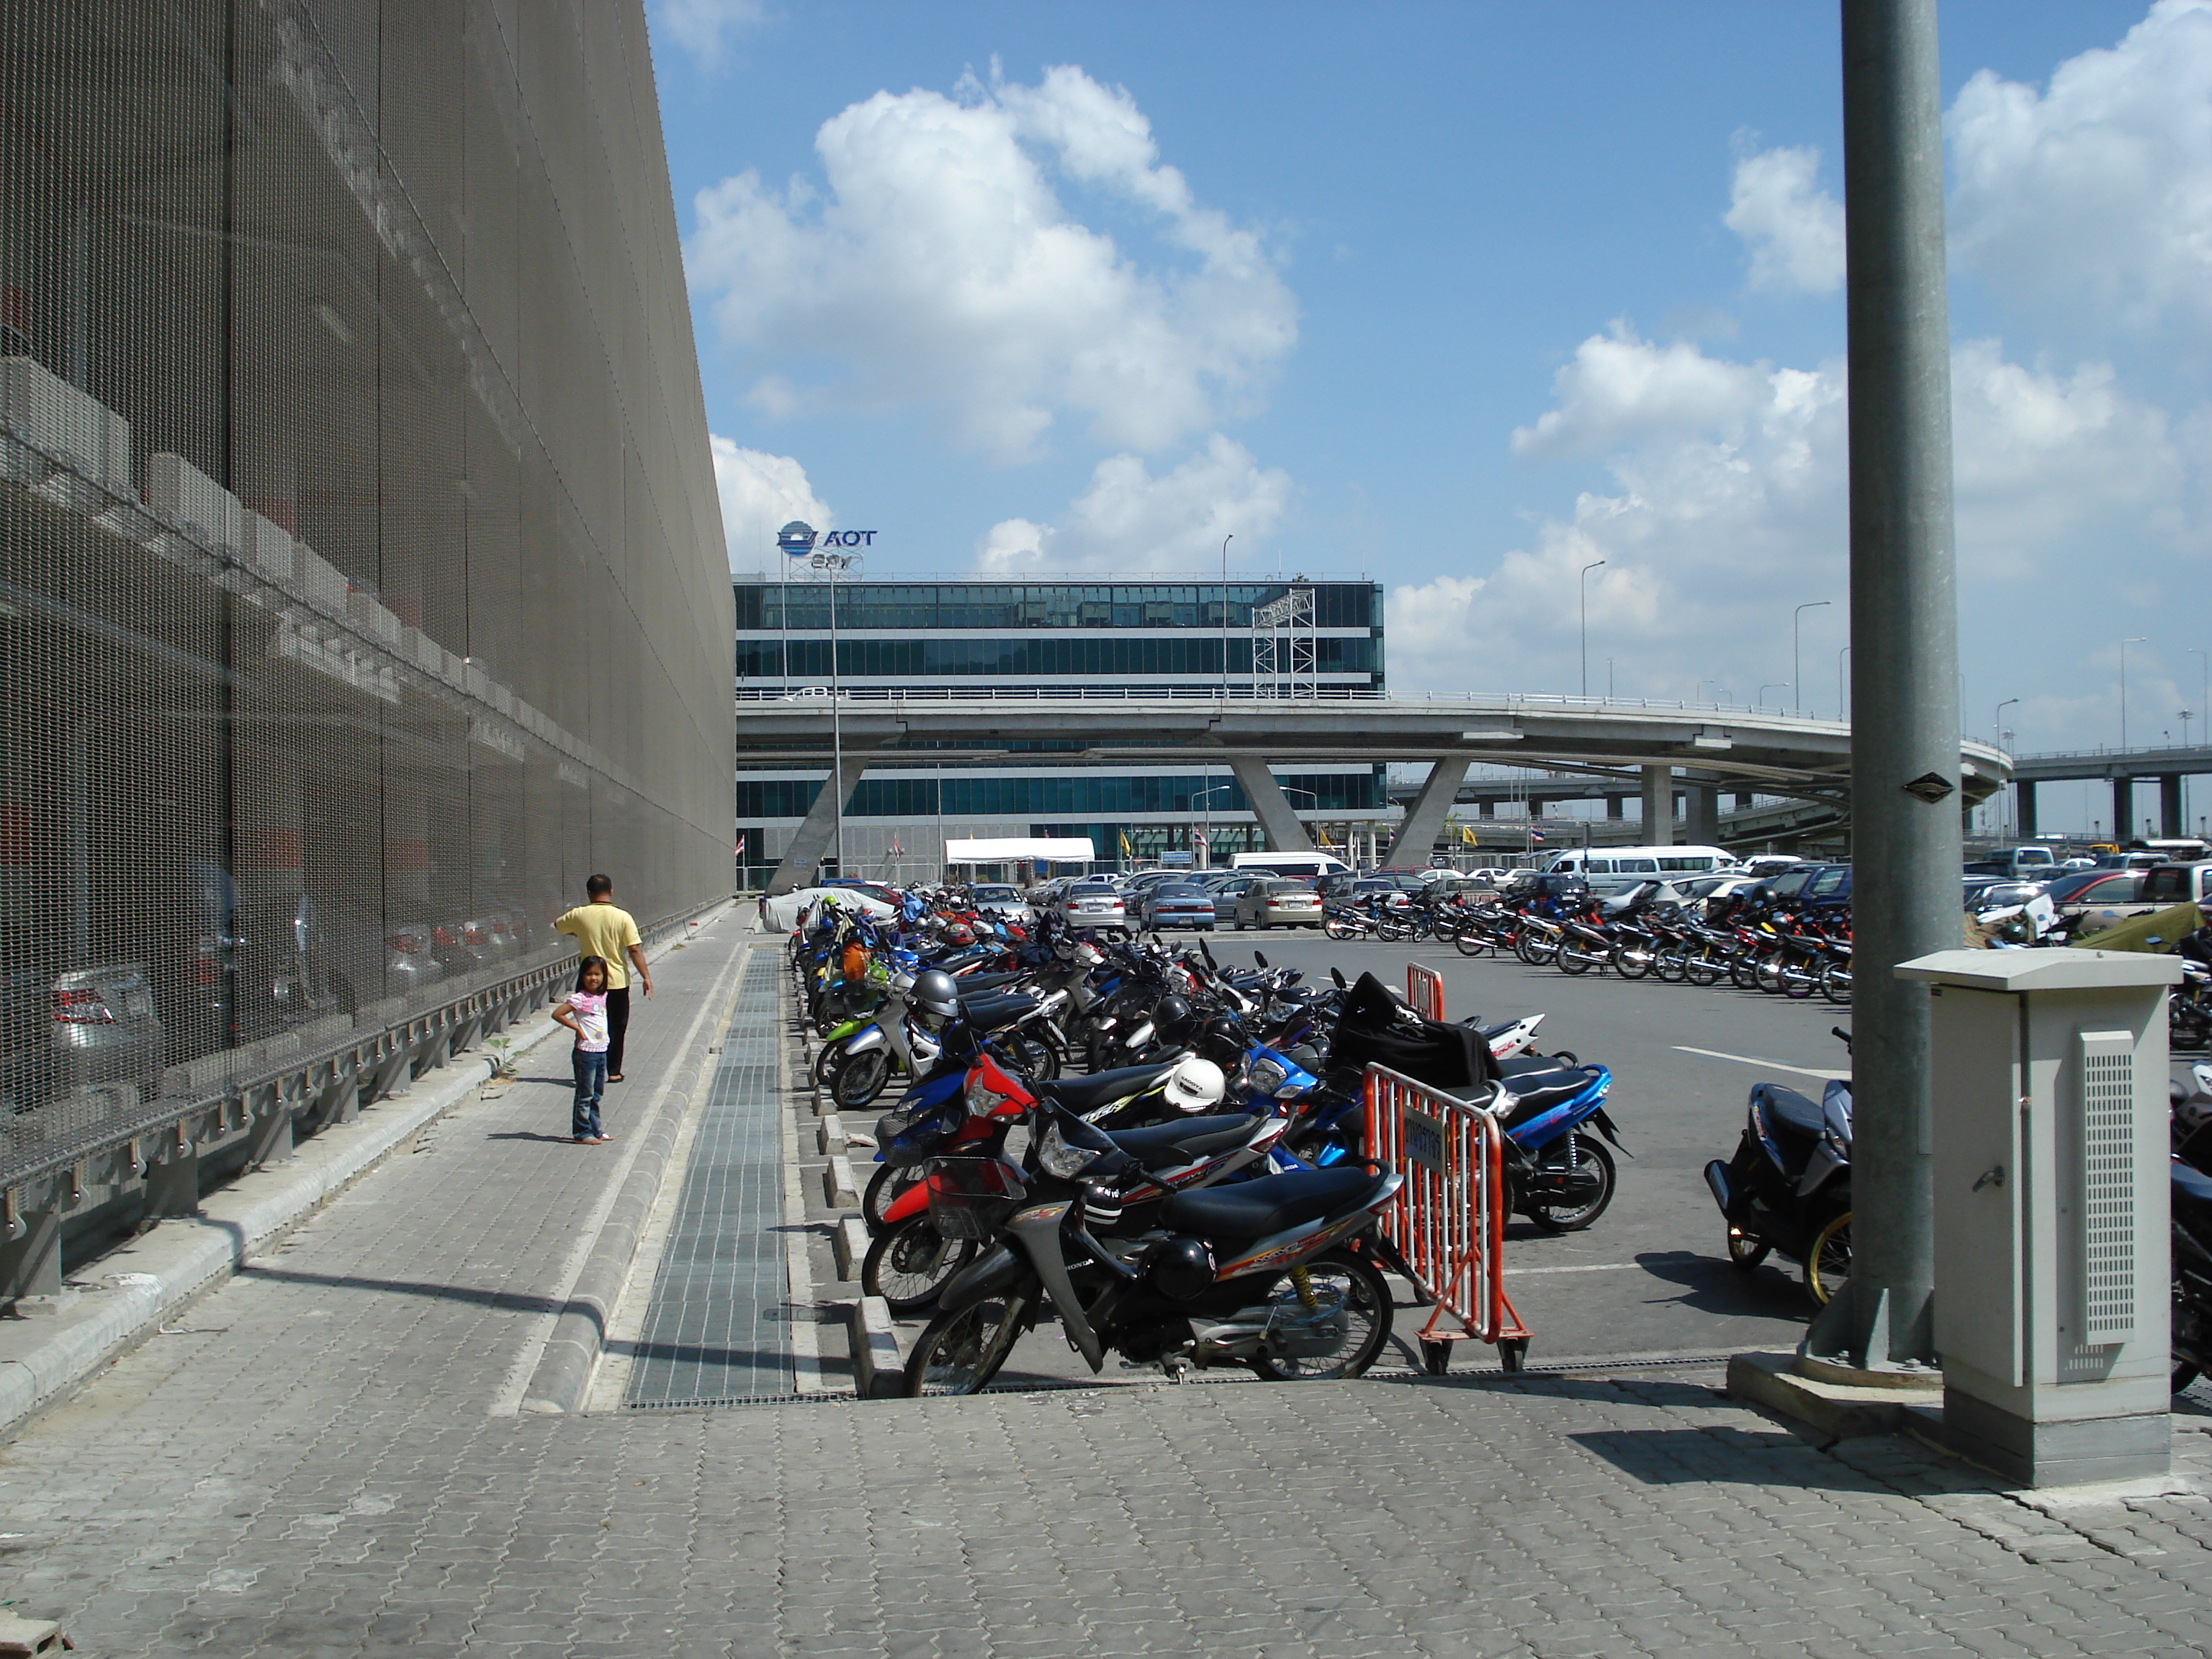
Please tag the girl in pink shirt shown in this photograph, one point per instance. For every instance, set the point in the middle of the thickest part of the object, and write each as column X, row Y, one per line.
column 585, row 1013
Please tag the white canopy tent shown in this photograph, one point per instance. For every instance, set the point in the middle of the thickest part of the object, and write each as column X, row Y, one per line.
column 1020, row 849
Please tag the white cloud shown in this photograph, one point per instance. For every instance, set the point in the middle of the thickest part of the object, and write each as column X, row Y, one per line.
column 1128, row 522
column 941, row 270
column 705, row 28
column 1728, row 509
column 760, row 494
column 2091, row 200
column 1793, row 228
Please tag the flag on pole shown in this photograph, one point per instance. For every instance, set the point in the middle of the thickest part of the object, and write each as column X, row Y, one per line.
column 1535, row 835
column 742, row 839
column 1128, row 851
column 1467, row 835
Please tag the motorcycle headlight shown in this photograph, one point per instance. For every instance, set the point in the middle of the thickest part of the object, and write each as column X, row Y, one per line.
column 1059, row 1159
column 982, row 1102
column 1267, row 1076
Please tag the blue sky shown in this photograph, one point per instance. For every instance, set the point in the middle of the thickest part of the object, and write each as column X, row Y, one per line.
column 1461, row 297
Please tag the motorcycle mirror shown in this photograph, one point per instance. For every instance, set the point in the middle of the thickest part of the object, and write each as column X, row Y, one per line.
column 1337, row 974
column 1259, row 957
column 1205, row 950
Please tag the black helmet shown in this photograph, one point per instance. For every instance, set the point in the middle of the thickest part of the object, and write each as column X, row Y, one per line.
column 1182, row 1269
column 1223, row 1040
column 1174, row 1021
column 935, row 997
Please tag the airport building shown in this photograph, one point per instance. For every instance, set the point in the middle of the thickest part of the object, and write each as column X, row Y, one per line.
column 362, row 585
column 799, row 633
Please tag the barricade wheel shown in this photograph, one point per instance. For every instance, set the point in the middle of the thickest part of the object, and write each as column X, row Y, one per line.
column 1436, row 1358
column 1513, row 1352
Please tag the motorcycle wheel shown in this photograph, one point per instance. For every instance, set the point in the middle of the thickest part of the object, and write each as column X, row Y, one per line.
column 1572, row 1217
column 1536, row 950
column 1469, row 942
column 1745, row 1251
column 1796, row 983
column 1702, row 970
column 1367, row 1319
column 1631, row 962
column 828, row 1063
column 885, row 1187
column 1836, row 984
column 911, row 1263
column 1573, row 961
column 1339, row 930
column 1031, row 1055
column 1766, row 975
column 1392, row 932
column 860, row 1080
column 1672, row 967
column 1828, row 1262
column 960, row 1352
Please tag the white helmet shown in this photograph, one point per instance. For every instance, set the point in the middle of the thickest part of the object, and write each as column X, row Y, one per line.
column 1194, row 1085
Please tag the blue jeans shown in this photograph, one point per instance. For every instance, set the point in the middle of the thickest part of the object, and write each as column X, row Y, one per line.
column 591, row 1084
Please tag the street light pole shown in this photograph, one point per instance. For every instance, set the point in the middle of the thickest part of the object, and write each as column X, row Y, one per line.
column 1582, row 583
column 1843, row 697
column 1771, row 685
column 1225, row 540
column 1906, row 834
column 1996, row 733
column 1797, row 692
column 2124, row 644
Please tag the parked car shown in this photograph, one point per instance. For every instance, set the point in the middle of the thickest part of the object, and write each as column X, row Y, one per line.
column 410, row 965
column 105, row 1030
column 1003, row 900
column 1175, row 904
column 1093, row 904
column 2018, row 863
column 1222, row 890
column 1278, row 903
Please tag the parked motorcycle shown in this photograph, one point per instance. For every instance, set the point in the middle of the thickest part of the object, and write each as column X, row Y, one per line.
column 1789, row 1186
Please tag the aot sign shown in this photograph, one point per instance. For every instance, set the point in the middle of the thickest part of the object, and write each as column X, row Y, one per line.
column 802, row 541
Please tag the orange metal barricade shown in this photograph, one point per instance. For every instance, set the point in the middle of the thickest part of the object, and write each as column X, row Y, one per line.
column 1424, row 990
column 1448, row 1225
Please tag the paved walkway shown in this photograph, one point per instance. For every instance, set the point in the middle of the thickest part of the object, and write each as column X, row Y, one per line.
column 313, row 1464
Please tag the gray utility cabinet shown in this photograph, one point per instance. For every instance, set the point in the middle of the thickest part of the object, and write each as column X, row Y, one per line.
column 2052, row 1264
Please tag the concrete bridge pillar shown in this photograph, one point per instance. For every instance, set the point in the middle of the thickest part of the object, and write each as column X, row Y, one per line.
column 1659, row 805
column 1615, row 807
column 1417, row 835
column 1286, row 834
column 811, row 844
column 2171, row 824
column 2124, row 808
column 2023, row 807
column 1490, row 809
column 1701, row 825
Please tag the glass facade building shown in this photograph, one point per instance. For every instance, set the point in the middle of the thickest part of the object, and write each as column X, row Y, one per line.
column 1052, row 638
column 363, row 586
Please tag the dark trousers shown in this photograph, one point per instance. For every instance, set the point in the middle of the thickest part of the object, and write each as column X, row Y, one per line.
column 590, row 1083
column 617, row 1027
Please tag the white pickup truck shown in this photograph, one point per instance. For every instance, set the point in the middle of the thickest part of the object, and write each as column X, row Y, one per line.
column 2164, row 885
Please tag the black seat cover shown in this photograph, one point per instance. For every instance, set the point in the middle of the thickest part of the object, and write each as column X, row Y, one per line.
column 1253, row 1209
column 1080, row 1094
column 1533, row 1102
column 1519, row 1066
column 1165, row 1146
column 1791, row 1110
column 974, row 984
column 2191, row 1186
column 994, row 1013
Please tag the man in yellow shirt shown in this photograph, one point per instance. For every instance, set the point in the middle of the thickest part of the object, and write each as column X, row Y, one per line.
column 603, row 929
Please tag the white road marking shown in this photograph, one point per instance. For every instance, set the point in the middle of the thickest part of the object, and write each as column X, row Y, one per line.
column 1591, row 1268
column 1770, row 1065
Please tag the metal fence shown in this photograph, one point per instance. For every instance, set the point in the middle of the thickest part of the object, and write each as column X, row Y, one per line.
column 361, row 577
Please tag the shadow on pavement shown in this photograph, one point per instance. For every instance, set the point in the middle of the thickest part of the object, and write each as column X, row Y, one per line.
column 1713, row 1284
column 506, row 1300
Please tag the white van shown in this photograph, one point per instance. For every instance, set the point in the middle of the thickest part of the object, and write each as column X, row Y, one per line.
column 1640, row 861
column 1310, row 865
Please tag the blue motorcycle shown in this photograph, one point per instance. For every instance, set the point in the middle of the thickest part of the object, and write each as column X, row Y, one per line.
column 1557, row 1168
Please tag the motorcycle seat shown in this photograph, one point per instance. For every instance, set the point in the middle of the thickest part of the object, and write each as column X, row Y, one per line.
column 1083, row 1094
column 1253, row 1209
column 1520, row 1066
column 1165, row 1146
column 2192, row 1186
column 1791, row 1110
column 975, row 984
column 1549, row 1091
column 994, row 1013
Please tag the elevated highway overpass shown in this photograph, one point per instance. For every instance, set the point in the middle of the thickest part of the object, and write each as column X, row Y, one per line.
column 2123, row 769
column 1665, row 748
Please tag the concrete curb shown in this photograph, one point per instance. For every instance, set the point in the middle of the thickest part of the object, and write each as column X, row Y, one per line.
column 561, row 1382
column 156, row 1276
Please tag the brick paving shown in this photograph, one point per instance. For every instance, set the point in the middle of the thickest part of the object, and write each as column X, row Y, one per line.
column 310, row 1467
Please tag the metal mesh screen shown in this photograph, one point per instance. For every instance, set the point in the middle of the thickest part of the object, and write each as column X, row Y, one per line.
column 362, row 581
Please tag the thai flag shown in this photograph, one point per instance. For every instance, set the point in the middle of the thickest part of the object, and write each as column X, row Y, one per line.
column 1535, row 835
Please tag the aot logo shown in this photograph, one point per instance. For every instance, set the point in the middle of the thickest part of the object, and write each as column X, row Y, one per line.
column 801, row 540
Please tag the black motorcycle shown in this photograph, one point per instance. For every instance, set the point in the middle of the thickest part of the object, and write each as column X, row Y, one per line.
column 1789, row 1186
column 1235, row 1275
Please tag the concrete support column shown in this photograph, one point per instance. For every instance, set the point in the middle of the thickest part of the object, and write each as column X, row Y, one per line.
column 2124, row 808
column 2171, row 822
column 2023, row 796
column 812, row 840
column 1490, row 809
column 1701, row 825
column 1743, row 800
column 32, row 1265
column 1416, row 835
column 1270, row 805
column 1615, row 807
column 1659, row 805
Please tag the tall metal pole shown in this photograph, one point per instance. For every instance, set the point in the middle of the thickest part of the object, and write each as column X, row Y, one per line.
column 836, row 726
column 1225, row 540
column 1996, row 731
column 1582, row 582
column 1797, row 674
column 2124, row 644
column 1904, row 638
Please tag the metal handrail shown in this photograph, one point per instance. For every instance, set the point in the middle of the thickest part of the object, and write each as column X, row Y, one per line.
column 762, row 696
